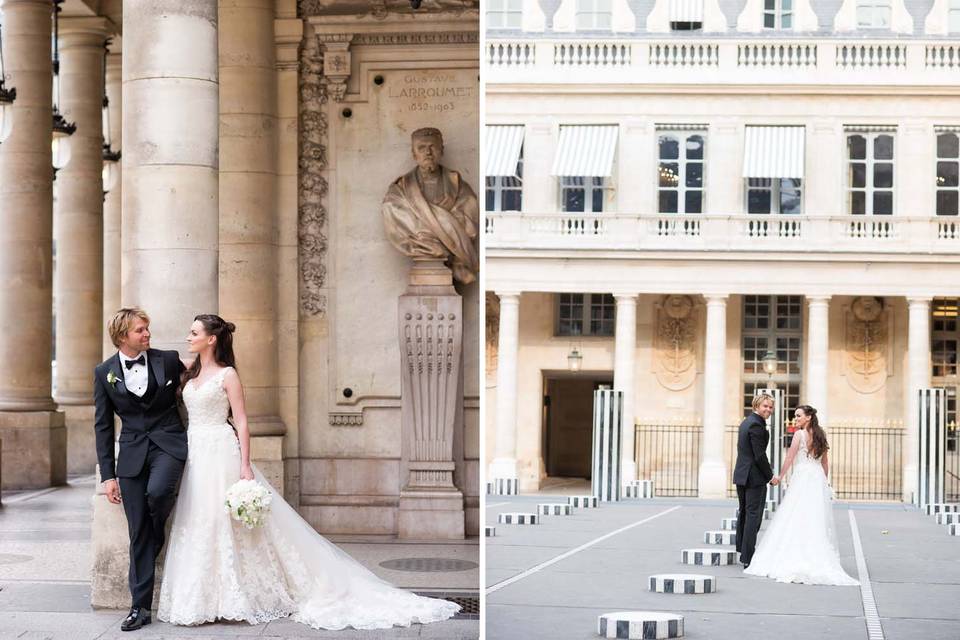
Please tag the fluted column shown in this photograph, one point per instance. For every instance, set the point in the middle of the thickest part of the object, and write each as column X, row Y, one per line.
column 713, row 468
column 112, row 202
column 624, row 377
column 34, row 440
column 170, row 131
column 78, row 232
column 818, row 351
column 248, row 221
column 918, row 377
column 504, row 464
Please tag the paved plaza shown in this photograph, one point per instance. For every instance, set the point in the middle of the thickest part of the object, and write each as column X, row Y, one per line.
column 913, row 567
column 45, row 559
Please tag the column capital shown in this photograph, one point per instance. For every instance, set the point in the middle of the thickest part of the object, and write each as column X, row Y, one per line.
column 919, row 300
column 716, row 298
column 819, row 299
column 508, row 296
column 626, row 298
column 84, row 32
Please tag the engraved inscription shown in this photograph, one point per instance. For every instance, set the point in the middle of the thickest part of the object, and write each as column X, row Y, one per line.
column 431, row 92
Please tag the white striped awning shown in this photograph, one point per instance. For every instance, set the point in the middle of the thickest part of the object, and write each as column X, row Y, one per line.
column 686, row 10
column 773, row 152
column 503, row 146
column 585, row 150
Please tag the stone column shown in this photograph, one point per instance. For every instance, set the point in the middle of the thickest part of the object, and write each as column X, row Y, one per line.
column 248, row 220
column 32, row 431
column 504, row 465
column 918, row 377
column 78, row 233
column 111, row 204
column 713, row 469
column 818, row 352
column 624, row 376
column 170, row 131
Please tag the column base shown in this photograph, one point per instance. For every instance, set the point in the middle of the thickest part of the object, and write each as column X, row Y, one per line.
column 267, row 453
column 81, row 438
column 712, row 480
column 34, row 449
column 430, row 515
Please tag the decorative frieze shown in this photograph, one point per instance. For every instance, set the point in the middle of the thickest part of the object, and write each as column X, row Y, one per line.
column 353, row 419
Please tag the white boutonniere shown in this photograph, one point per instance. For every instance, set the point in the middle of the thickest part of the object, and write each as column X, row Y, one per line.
column 112, row 379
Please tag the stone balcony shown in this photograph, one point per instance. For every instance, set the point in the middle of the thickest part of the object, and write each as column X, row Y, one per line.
column 722, row 60
column 707, row 233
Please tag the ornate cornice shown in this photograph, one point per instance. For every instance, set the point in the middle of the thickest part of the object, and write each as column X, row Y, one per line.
column 449, row 37
column 312, row 184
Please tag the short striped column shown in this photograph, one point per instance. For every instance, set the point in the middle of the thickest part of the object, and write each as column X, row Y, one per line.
column 582, row 502
column 640, row 625
column 554, row 509
column 689, row 583
column 772, row 506
column 729, row 524
column 954, row 529
column 720, row 537
column 708, row 557
column 503, row 487
column 948, row 517
column 489, row 532
column 518, row 518
column 638, row 489
column 943, row 507
column 607, row 435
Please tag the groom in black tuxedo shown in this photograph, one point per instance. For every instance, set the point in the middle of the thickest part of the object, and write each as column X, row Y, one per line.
column 751, row 475
column 140, row 384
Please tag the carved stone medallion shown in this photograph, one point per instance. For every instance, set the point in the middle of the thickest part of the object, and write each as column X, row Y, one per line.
column 675, row 343
column 867, row 331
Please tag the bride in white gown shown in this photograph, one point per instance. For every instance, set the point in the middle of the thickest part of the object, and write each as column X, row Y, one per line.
column 800, row 545
column 215, row 569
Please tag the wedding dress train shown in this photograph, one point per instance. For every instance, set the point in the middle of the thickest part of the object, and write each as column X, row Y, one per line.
column 800, row 545
column 215, row 569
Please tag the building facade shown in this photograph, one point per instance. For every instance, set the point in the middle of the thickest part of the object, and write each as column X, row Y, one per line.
column 689, row 201
column 258, row 139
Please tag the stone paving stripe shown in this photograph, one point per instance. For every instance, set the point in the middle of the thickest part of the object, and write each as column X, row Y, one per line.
column 567, row 554
column 23, row 497
column 874, row 628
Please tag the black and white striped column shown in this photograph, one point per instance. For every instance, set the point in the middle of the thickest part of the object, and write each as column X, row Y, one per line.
column 708, row 557
column 582, row 502
column 720, row 537
column 954, row 529
column 689, row 583
column 554, row 509
column 638, row 489
column 729, row 524
column 932, row 422
column 948, row 517
column 489, row 532
column 640, row 625
column 943, row 507
column 503, row 487
column 607, row 434
column 518, row 518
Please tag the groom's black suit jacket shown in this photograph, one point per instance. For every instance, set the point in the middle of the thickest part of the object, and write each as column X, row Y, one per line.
column 153, row 418
column 753, row 467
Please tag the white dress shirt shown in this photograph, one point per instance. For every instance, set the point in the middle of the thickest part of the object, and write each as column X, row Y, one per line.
column 135, row 378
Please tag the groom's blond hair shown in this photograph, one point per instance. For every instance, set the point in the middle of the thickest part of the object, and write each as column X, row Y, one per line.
column 762, row 397
column 122, row 322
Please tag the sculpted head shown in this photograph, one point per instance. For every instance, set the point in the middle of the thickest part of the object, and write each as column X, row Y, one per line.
column 427, row 147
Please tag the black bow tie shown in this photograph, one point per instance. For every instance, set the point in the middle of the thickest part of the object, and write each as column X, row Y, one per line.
column 130, row 363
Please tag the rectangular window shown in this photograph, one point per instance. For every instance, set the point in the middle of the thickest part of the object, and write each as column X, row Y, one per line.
column 948, row 174
column 582, row 194
column 873, row 14
column 772, row 323
column 680, row 171
column 594, row 15
column 505, row 193
column 944, row 344
column 777, row 14
column 773, row 195
column 870, row 173
column 504, row 14
column 585, row 314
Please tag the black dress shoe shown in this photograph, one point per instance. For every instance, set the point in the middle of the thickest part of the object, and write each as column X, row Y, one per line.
column 746, row 564
column 136, row 619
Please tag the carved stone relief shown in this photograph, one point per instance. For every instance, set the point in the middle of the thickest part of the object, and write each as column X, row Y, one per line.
column 867, row 357
column 675, row 342
column 492, row 331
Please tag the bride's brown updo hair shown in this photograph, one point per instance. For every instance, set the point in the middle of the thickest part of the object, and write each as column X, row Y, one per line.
column 818, row 437
column 214, row 325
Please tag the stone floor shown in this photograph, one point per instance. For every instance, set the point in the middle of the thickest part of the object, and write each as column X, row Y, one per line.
column 45, row 558
column 914, row 569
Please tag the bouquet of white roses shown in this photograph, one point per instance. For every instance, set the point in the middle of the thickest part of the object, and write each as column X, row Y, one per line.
column 248, row 502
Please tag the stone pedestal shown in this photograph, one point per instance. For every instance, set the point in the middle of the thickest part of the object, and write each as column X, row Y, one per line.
column 81, row 442
column 431, row 352
column 267, row 453
column 34, row 449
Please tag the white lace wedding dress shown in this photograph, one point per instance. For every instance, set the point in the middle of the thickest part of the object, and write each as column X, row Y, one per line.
column 215, row 569
column 800, row 545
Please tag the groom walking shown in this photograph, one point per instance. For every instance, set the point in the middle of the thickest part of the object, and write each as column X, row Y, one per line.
column 140, row 384
column 751, row 475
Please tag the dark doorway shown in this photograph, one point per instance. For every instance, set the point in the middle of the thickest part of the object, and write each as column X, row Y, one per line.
column 568, row 422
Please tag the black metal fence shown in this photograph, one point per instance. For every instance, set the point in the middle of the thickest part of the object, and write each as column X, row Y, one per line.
column 866, row 462
column 669, row 454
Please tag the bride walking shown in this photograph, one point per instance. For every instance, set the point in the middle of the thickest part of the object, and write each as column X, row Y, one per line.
column 215, row 569
column 801, row 543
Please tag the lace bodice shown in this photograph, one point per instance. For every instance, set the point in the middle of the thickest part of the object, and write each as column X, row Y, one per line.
column 207, row 404
column 803, row 454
